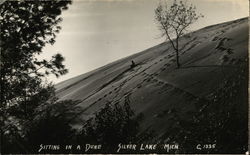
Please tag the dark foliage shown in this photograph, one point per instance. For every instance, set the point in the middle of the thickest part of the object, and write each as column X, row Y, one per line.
column 48, row 129
column 26, row 27
column 112, row 125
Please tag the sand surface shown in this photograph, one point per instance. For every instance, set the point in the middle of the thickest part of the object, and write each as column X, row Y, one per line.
column 155, row 87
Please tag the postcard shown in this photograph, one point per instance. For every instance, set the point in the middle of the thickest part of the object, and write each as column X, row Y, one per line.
column 124, row 77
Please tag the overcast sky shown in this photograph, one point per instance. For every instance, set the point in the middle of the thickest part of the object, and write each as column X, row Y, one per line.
column 97, row 32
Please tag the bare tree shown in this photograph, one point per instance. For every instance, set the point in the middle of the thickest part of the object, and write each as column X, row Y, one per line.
column 174, row 21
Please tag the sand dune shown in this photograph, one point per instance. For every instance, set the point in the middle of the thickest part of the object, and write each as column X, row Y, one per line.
column 155, row 87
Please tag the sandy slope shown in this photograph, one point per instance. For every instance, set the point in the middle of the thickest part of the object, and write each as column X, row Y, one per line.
column 155, row 87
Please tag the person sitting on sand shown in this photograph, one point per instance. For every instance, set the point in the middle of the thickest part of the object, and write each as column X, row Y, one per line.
column 133, row 64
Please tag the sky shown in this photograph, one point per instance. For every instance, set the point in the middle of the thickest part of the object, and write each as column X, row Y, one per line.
column 97, row 32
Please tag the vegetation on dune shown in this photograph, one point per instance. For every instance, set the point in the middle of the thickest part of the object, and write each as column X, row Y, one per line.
column 112, row 125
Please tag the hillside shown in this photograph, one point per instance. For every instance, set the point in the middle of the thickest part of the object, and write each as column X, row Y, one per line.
column 167, row 97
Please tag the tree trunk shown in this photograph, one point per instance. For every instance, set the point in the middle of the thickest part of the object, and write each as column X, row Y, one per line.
column 177, row 59
column 177, row 51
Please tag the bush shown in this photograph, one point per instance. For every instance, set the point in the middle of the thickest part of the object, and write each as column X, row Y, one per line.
column 112, row 125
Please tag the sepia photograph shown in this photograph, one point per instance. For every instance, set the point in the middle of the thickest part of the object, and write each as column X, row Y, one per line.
column 124, row 76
